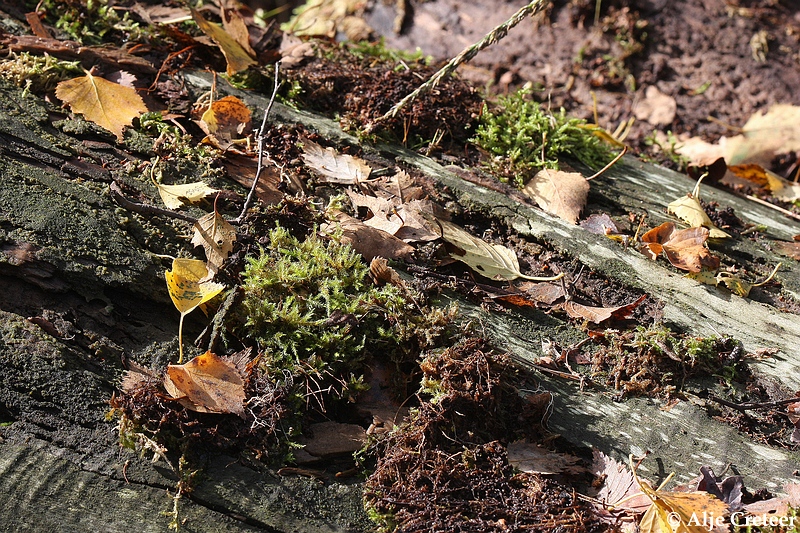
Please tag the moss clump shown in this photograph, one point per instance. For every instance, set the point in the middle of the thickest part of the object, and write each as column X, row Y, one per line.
column 522, row 139
column 37, row 74
column 656, row 360
column 312, row 309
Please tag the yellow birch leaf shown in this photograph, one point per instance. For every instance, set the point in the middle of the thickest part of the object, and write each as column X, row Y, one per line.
column 107, row 104
column 174, row 196
column 690, row 211
column 187, row 290
column 216, row 236
column 236, row 56
column 679, row 512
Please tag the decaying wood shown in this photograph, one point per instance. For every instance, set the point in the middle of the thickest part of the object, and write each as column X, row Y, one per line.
column 58, row 453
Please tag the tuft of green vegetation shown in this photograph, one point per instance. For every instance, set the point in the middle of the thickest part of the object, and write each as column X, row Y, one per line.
column 37, row 74
column 378, row 50
column 89, row 21
column 522, row 138
column 667, row 147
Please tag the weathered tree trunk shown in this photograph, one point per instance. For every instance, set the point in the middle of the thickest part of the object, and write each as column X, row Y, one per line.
column 81, row 286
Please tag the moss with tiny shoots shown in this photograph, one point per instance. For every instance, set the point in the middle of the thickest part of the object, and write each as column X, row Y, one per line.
column 522, row 138
column 37, row 74
column 312, row 309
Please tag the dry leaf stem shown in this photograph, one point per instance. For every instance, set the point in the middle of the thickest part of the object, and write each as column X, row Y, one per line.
column 467, row 54
column 260, row 140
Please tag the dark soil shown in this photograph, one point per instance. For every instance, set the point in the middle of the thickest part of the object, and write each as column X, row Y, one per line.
column 680, row 47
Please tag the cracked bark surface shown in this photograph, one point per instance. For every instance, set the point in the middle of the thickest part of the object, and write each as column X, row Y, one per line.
column 70, row 308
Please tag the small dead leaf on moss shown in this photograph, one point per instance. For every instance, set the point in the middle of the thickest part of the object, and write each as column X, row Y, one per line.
column 597, row 315
column 683, row 248
column 368, row 241
column 237, row 58
column 493, row 261
column 404, row 221
column 559, row 193
column 109, row 105
column 216, row 236
column 530, row 457
column 332, row 167
column 207, row 384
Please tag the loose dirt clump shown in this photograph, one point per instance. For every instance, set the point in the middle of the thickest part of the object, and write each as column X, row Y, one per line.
column 364, row 87
column 447, row 469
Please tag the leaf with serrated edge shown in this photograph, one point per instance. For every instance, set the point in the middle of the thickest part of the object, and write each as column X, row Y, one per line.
column 186, row 289
column 207, row 384
column 493, row 261
column 236, row 57
column 216, row 236
column 559, row 193
column 336, row 168
column 107, row 104
column 174, row 196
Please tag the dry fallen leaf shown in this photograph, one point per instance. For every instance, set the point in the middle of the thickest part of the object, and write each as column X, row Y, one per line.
column 619, row 490
column 529, row 457
column 691, row 211
column 600, row 314
column 679, row 512
column 188, row 291
column 493, row 261
column 683, row 248
column 235, row 26
column 332, row 167
column 789, row 249
column 778, row 506
column 656, row 108
column 226, row 121
column 321, row 17
column 367, row 241
column 559, row 193
column 216, row 236
column 174, row 196
column 238, row 59
column 207, row 384
column 765, row 135
column 107, row 104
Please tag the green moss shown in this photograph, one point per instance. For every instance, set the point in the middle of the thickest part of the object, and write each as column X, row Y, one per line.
column 37, row 74
column 379, row 50
column 89, row 21
column 522, row 138
column 311, row 307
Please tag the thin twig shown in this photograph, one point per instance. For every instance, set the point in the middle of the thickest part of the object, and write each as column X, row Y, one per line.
column 260, row 139
column 467, row 54
column 773, row 206
column 748, row 406
column 144, row 209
